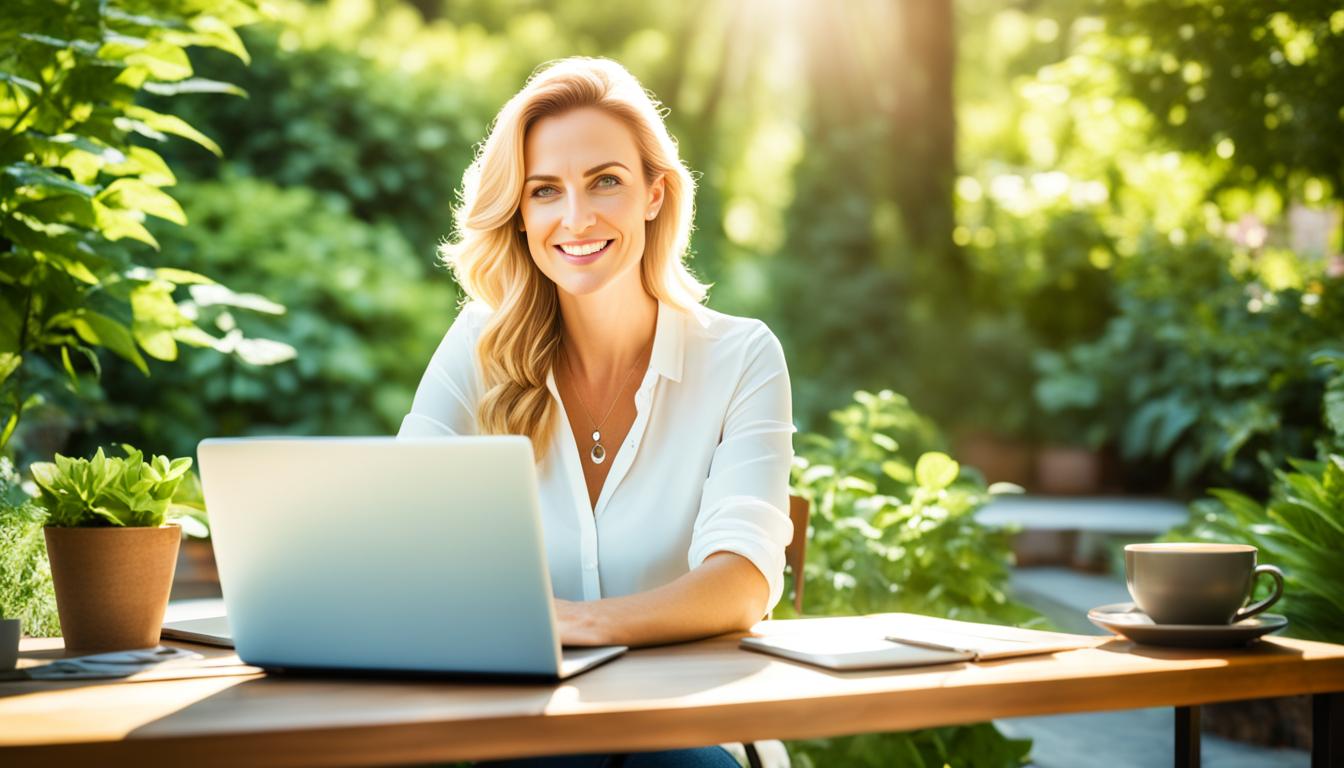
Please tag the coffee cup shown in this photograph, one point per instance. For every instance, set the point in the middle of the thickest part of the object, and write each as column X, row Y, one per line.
column 1196, row 583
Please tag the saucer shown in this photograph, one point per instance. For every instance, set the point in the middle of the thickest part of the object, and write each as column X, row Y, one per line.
column 1126, row 619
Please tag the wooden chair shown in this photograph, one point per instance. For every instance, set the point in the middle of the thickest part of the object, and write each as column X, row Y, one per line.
column 800, row 512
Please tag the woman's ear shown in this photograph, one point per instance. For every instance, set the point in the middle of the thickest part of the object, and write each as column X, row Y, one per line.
column 657, row 192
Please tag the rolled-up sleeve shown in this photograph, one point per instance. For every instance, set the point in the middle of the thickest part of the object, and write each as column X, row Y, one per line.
column 445, row 401
column 744, row 508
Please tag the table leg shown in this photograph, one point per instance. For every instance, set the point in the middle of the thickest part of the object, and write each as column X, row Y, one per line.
column 1327, row 730
column 1187, row 737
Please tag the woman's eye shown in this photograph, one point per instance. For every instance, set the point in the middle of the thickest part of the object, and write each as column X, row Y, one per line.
column 546, row 191
column 608, row 181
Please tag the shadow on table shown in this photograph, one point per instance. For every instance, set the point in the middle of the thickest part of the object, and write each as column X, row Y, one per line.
column 348, row 698
column 1259, row 648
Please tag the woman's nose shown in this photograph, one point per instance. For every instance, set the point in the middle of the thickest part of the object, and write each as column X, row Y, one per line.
column 578, row 214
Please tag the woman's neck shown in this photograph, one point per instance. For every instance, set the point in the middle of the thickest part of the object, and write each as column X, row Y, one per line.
column 605, row 335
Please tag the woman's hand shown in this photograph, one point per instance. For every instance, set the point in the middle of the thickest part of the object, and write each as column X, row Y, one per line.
column 580, row 623
column 725, row 594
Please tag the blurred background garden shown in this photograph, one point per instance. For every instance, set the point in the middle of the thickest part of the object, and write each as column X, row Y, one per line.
column 1094, row 246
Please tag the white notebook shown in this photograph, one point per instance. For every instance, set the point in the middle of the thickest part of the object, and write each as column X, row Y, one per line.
column 893, row 640
column 210, row 630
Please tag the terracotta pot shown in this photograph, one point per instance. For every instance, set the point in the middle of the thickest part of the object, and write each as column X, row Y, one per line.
column 1068, row 470
column 1033, row 548
column 1001, row 459
column 112, row 584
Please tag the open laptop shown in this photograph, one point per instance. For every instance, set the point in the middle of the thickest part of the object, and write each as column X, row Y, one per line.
column 375, row 554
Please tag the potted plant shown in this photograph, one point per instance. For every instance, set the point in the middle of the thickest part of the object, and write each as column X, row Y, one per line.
column 26, row 599
column 111, row 545
column 196, row 575
column 1073, row 423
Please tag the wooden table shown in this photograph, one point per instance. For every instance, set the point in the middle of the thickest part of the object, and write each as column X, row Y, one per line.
column 677, row 696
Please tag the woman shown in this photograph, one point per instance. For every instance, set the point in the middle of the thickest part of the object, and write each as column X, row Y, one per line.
column 662, row 429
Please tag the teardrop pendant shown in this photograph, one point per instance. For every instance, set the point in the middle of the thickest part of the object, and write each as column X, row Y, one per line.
column 598, row 454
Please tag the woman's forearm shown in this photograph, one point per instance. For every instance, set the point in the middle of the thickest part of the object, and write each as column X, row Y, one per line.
column 725, row 594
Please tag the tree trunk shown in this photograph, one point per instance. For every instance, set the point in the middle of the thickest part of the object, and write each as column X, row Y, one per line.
column 925, row 124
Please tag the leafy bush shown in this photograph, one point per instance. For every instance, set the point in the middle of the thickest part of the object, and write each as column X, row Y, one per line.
column 76, row 183
column 1300, row 529
column 1265, row 79
column 1207, row 365
column 361, row 318
column 980, row 745
column 26, row 591
column 892, row 532
column 111, row 492
column 364, row 100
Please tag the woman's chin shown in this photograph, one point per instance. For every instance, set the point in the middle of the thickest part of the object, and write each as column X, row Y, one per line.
column 583, row 284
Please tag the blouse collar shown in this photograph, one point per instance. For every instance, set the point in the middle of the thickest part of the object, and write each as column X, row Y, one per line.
column 669, row 338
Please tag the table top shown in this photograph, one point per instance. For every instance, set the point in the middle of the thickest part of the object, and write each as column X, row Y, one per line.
column 674, row 696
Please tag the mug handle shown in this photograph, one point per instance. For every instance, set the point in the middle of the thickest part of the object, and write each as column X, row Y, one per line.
column 1249, row 611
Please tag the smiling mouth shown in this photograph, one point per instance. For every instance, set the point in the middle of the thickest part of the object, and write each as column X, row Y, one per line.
column 584, row 254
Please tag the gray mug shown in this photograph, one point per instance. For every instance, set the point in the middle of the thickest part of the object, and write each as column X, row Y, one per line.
column 1196, row 583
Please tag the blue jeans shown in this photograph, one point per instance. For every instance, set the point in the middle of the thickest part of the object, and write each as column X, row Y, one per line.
column 701, row 757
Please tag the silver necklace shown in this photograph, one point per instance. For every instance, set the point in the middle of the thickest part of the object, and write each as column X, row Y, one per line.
column 598, row 453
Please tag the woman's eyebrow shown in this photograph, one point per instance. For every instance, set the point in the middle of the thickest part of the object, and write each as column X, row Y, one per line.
column 588, row 172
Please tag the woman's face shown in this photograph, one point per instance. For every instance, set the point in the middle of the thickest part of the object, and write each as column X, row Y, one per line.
column 585, row 201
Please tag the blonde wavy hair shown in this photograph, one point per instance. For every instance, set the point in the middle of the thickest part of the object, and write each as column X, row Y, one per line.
column 489, row 255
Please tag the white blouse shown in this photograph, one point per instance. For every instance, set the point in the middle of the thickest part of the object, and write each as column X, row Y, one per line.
column 704, row 469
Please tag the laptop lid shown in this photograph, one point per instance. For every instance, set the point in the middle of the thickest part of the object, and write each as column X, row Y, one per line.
column 375, row 553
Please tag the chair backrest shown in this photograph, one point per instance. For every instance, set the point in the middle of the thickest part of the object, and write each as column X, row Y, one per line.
column 800, row 512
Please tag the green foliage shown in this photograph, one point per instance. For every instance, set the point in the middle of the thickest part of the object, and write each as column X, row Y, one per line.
column 980, row 745
column 26, row 591
column 324, row 113
column 1208, row 364
column 1267, row 80
column 362, row 321
column 1300, row 528
column 1333, row 401
column 893, row 529
column 76, row 182
column 1097, row 137
column 892, row 532
column 104, row 492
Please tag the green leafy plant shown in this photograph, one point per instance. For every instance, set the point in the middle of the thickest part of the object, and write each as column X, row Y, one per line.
column 26, row 590
column 1207, row 366
column 111, row 491
column 893, row 521
column 365, row 100
column 893, row 529
column 1300, row 527
column 76, row 181
column 361, row 320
